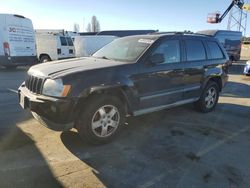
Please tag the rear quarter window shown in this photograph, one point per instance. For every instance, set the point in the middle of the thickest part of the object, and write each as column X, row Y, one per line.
column 215, row 50
column 195, row 50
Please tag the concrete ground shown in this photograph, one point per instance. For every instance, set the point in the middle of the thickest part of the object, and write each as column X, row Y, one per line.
column 173, row 148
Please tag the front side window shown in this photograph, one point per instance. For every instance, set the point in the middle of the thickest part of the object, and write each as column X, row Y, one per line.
column 215, row 50
column 195, row 50
column 170, row 50
column 126, row 49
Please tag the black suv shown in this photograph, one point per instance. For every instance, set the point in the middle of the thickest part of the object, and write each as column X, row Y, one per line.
column 130, row 76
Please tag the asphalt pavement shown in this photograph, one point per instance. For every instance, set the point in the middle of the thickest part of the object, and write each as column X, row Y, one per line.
column 172, row 148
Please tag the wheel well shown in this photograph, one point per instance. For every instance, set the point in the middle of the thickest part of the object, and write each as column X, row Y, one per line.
column 218, row 81
column 41, row 55
column 113, row 92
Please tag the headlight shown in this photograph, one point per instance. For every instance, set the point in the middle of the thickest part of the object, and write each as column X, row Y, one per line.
column 55, row 88
column 248, row 62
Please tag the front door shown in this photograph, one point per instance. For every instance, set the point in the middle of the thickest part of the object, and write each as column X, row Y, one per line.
column 161, row 83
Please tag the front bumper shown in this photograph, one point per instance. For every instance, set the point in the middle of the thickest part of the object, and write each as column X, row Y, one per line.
column 57, row 114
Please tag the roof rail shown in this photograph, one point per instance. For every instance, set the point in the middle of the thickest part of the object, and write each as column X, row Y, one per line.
column 172, row 32
column 51, row 31
column 179, row 33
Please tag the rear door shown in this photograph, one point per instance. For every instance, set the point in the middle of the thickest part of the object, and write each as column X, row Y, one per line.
column 62, row 50
column 21, row 36
column 194, row 68
column 71, row 48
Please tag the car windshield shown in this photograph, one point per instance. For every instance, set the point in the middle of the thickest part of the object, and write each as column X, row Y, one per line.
column 126, row 49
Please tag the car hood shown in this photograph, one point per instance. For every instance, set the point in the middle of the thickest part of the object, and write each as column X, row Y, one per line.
column 61, row 68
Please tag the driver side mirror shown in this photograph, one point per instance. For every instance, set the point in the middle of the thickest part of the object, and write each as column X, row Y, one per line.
column 157, row 59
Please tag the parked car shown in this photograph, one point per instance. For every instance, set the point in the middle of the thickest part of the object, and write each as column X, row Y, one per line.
column 231, row 40
column 130, row 76
column 51, row 47
column 17, row 41
column 87, row 45
column 247, row 68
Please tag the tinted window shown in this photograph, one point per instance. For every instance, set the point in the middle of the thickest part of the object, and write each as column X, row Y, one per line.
column 170, row 49
column 70, row 42
column 215, row 50
column 63, row 41
column 195, row 50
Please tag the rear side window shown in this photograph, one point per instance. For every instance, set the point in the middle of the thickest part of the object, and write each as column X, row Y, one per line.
column 70, row 42
column 195, row 50
column 215, row 50
column 63, row 41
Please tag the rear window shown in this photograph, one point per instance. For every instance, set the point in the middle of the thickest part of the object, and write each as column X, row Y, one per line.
column 63, row 41
column 195, row 50
column 215, row 50
column 70, row 42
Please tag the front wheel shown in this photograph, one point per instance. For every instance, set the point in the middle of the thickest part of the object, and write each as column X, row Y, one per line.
column 101, row 119
column 209, row 98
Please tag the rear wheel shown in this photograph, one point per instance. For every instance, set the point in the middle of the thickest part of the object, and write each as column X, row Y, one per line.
column 209, row 98
column 101, row 120
column 44, row 59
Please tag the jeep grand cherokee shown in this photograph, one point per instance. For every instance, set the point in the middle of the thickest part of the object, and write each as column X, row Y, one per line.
column 130, row 76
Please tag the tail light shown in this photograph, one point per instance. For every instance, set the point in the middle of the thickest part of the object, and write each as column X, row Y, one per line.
column 6, row 48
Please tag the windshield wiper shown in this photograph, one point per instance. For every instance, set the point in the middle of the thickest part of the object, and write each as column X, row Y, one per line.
column 104, row 57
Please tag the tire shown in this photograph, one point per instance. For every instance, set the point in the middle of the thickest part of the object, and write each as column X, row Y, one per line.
column 44, row 59
column 101, row 120
column 209, row 98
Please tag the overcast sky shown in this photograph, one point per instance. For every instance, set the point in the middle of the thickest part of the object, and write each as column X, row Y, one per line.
column 165, row 15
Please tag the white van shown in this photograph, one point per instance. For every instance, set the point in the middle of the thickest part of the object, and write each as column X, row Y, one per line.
column 17, row 41
column 52, row 47
column 87, row 45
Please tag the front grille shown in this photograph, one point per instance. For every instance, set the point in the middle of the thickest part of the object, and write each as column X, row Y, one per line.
column 34, row 84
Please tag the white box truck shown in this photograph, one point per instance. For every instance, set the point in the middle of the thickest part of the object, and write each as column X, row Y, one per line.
column 17, row 41
column 87, row 45
column 55, row 46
